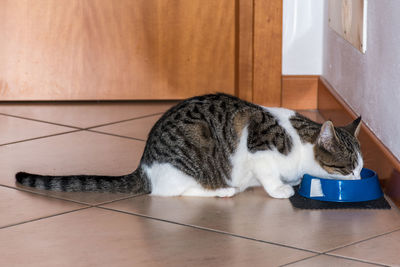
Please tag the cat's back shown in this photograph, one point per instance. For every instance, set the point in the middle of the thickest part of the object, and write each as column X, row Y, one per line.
column 217, row 110
column 211, row 106
column 201, row 124
column 197, row 137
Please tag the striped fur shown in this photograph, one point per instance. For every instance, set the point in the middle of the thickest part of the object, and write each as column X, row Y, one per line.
column 135, row 182
column 340, row 152
column 199, row 136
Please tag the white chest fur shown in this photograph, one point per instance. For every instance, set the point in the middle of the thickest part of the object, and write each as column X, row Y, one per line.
column 290, row 168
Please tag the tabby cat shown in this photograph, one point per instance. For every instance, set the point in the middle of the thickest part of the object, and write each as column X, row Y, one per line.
column 219, row 145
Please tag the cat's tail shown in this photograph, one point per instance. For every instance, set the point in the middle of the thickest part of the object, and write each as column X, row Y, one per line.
column 136, row 182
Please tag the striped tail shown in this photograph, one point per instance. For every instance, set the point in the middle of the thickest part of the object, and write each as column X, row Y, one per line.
column 136, row 182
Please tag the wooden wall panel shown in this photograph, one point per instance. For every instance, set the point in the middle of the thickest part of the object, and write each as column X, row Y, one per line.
column 349, row 19
column 103, row 49
column 244, row 49
column 267, row 51
column 39, row 51
column 299, row 91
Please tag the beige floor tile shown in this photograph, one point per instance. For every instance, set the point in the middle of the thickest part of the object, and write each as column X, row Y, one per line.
column 85, row 114
column 17, row 206
column 96, row 237
column 139, row 128
column 76, row 153
column 254, row 214
column 329, row 261
column 14, row 129
column 382, row 250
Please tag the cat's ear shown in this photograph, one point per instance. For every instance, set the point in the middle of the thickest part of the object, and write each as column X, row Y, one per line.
column 354, row 127
column 327, row 138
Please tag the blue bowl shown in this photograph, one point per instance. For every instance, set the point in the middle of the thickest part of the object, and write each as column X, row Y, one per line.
column 364, row 189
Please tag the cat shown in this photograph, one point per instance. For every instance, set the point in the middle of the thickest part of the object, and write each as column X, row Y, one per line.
column 219, row 145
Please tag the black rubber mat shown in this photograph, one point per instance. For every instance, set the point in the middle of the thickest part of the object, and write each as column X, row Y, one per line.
column 301, row 202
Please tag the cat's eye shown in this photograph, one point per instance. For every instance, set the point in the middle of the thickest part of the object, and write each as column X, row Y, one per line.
column 335, row 166
column 339, row 168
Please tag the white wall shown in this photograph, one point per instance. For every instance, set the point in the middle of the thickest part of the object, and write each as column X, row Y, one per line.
column 370, row 82
column 302, row 37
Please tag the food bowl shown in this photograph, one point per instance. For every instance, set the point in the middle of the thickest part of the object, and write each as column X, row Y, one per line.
column 334, row 190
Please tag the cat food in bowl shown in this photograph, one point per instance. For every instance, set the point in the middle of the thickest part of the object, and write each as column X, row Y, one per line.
column 364, row 189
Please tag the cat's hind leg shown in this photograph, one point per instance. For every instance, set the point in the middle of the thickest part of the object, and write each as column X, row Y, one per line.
column 166, row 180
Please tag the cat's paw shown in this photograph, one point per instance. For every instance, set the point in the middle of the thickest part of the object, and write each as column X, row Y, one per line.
column 226, row 192
column 295, row 182
column 283, row 191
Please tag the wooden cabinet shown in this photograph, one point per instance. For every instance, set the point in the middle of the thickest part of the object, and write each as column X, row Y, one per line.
column 139, row 49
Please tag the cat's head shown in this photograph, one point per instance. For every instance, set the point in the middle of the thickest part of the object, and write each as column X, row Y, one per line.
column 337, row 150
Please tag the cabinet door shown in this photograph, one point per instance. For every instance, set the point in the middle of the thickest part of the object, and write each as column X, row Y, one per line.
column 124, row 49
column 130, row 49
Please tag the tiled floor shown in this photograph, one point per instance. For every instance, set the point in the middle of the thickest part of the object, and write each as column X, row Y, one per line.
column 40, row 228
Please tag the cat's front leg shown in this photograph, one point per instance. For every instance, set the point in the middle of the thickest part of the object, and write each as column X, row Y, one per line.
column 294, row 183
column 282, row 191
column 270, row 179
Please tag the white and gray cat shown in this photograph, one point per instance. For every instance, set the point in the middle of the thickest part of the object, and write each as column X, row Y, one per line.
column 219, row 145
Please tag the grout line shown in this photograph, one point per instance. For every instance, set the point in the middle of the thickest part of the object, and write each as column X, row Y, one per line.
column 45, row 195
column 340, row 257
column 89, row 129
column 68, row 199
column 126, row 120
column 42, row 218
column 91, row 101
column 209, row 230
column 82, row 128
column 116, row 200
column 360, row 241
column 353, row 259
column 116, row 135
column 40, row 137
column 313, row 256
column 392, row 203
column 31, row 119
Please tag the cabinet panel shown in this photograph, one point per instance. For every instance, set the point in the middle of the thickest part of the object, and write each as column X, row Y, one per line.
column 105, row 49
column 140, row 49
